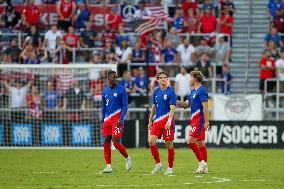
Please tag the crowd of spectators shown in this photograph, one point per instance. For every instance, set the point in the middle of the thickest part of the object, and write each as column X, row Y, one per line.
column 272, row 60
column 168, row 49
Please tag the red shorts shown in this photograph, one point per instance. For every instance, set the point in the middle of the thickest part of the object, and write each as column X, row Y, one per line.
column 112, row 130
column 159, row 132
column 197, row 132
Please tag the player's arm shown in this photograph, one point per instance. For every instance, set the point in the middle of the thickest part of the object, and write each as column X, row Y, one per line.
column 206, row 114
column 171, row 116
column 103, row 108
column 124, row 107
column 152, row 113
column 182, row 104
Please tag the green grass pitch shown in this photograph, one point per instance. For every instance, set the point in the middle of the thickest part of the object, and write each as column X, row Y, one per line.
column 48, row 169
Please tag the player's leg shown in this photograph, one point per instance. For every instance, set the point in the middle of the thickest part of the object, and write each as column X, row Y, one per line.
column 171, row 157
column 155, row 152
column 192, row 144
column 122, row 150
column 107, row 154
column 201, row 145
column 116, row 136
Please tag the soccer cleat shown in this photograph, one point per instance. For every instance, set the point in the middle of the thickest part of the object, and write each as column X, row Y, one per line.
column 169, row 171
column 202, row 168
column 128, row 164
column 107, row 170
column 206, row 169
column 157, row 169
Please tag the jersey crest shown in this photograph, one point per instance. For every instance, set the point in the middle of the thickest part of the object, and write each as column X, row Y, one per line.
column 165, row 97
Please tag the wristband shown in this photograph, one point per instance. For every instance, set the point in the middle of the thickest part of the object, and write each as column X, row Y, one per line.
column 169, row 120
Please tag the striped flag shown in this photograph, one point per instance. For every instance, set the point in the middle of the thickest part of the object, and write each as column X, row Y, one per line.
column 149, row 26
column 148, row 23
column 157, row 11
column 153, row 21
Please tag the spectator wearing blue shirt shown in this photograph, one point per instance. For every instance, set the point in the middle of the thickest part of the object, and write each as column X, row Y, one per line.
column 179, row 19
column 141, row 82
column 273, row 36
column 169, row 54
column 51, row 97
column 29, row 56
column 121, row 36
column 208, row 5
column 127, row 82
column 228, row 79
column 138, row 56
column 82, row 17
column 274, row 5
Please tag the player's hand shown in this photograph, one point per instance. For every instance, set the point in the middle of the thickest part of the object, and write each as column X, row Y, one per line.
column 150, row 124
column 206, row 125
column 168, row 126
column 119, row 123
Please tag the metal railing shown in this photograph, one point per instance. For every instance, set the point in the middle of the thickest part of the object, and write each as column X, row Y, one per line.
column 276, row 95
column 248, row 48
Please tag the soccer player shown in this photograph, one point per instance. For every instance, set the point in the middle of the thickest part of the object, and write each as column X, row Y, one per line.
column 198, row 100
column 114, row 109
column 161, row 122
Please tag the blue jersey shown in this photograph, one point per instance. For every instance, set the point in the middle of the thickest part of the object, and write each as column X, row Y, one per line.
column 51, row 99
column 126, row 84
column 163, row 100
column 169, row 55
column 196, row 98
column 114, row 104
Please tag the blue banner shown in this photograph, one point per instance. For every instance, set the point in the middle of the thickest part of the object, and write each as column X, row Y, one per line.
column 51, row 134
column 22, row 134
column 1, row 134
column 81, row 134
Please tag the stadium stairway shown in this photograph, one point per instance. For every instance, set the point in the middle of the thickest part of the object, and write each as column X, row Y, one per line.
column 250, row 27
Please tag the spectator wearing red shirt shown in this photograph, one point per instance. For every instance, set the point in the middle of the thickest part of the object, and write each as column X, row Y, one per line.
column 31, row 14
column 71, row 39
column 278, row 20
column 66, row 10
column 108, row 34
column 208, row 22
column 114, row 19
column 190, row 23
column 267, row 68
column 34, row 102
column 228, row 3
column 226, row 22
column 190, row 4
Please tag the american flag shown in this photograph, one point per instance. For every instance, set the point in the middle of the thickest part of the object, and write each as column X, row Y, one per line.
column 151, row 22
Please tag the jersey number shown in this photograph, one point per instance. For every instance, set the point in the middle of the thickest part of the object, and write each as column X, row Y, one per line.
column 168, row 133
column 107, row 101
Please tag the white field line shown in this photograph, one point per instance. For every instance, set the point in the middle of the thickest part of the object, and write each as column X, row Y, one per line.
column 218, row 180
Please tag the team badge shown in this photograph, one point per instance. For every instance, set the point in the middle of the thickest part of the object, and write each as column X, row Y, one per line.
column 115, row 94
column 165, row 97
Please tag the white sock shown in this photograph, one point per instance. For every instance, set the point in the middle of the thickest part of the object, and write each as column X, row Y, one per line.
column 108, row 165
column 158, row 164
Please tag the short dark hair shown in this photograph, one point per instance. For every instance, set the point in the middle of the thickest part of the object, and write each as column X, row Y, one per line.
column 197, row 75
column 160, row 73
column 111, row 72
